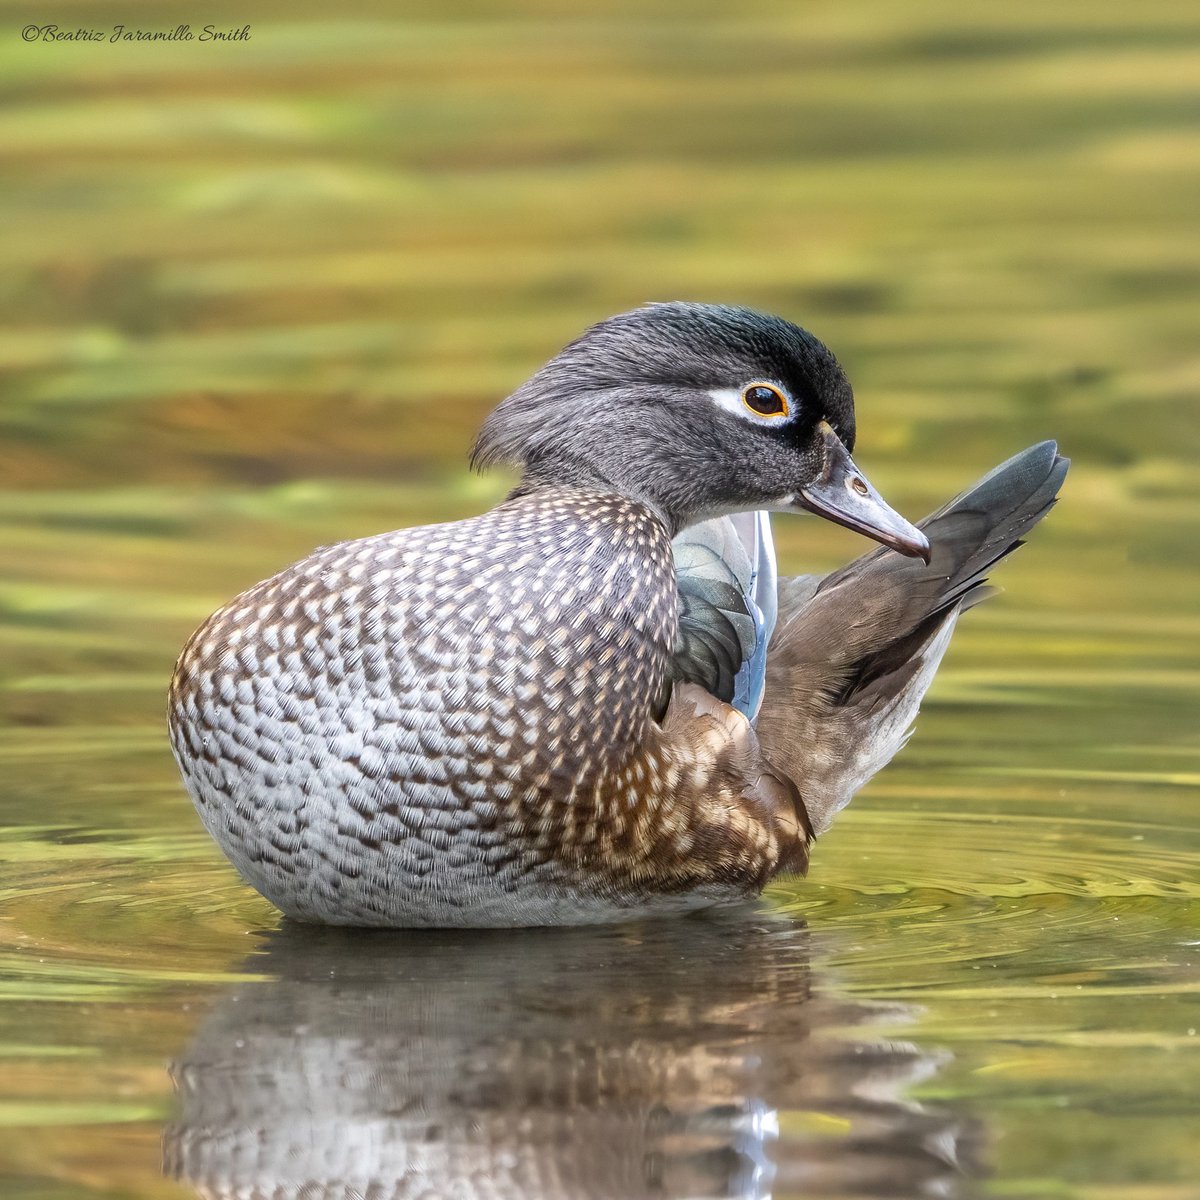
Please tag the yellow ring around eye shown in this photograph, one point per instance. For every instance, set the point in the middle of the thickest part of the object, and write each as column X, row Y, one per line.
column 765, row 400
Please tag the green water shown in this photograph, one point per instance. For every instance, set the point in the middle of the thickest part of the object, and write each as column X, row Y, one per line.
column 258, row 297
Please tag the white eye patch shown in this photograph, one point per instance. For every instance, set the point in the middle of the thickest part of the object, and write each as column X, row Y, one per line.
column 737, row 401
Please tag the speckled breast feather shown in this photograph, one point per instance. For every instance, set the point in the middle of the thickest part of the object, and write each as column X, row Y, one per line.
column 462, row 724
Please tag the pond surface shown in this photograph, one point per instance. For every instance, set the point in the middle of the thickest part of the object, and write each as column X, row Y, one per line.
column 259, row 297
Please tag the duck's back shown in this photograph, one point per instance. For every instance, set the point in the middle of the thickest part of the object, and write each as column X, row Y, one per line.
column 397, row 730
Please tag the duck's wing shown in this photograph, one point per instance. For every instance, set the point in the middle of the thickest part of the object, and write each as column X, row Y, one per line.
column 725, row 569
column 852, row 657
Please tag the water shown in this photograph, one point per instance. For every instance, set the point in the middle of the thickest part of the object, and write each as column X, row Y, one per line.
column 258, row 301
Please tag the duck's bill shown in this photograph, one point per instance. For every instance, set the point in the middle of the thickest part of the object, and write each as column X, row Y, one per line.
column 844, row 495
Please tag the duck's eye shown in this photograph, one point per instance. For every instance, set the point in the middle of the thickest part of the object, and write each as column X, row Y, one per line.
column 765, row 399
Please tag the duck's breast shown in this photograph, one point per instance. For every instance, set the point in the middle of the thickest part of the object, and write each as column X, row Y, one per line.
column 393, row 721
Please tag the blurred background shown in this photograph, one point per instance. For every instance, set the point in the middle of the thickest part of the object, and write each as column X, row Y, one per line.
column 258, row 295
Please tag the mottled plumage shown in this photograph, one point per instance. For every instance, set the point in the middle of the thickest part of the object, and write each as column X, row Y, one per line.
column 522, row 718
column 470, row 708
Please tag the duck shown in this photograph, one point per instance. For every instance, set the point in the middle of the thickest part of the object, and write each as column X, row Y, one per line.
column 597, row 701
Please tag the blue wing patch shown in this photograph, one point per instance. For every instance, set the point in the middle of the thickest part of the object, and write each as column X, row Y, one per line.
column 727, row 607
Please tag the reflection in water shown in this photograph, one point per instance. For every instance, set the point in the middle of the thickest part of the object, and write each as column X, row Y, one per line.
column 689, row 1058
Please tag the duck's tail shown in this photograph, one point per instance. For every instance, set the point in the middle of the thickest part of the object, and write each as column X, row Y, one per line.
column 854, row 652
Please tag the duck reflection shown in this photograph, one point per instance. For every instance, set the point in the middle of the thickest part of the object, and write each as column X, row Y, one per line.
column 694, row 1058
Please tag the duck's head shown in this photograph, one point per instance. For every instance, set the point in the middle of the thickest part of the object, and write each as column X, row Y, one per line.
column 696, row 410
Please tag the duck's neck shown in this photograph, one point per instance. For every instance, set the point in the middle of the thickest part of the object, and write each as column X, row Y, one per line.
column 542, row 479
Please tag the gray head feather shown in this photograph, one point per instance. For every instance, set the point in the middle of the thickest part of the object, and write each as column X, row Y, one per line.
column 625, row 407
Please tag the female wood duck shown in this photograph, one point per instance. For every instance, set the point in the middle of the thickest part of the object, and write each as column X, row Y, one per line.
column 552, row 714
